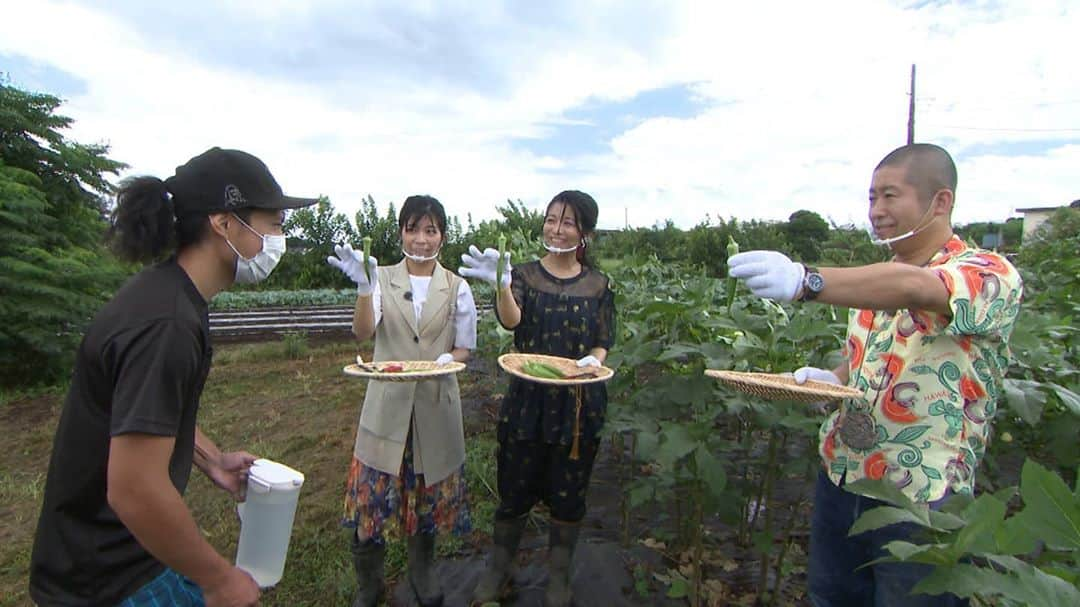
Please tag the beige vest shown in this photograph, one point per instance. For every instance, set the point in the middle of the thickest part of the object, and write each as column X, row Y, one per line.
column 433, row 406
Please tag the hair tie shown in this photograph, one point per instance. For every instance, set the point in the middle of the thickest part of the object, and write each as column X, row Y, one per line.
column 166, row 195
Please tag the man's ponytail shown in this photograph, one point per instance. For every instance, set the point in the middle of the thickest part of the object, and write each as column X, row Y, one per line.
column 143, row 225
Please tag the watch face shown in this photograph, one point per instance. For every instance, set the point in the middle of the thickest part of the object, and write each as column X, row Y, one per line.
column 815, row 282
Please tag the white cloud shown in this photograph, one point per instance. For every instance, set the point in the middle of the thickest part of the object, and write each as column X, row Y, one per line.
column 799, row 102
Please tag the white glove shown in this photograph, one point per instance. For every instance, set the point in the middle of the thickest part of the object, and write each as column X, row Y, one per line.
column 351, row 263
column 483, row 265
column 823, row 375
column 802, row 374
column 588, row 361
column 768, row 274
column 444, row 359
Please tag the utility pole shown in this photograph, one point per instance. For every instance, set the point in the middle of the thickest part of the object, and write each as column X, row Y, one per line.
column 911, row 110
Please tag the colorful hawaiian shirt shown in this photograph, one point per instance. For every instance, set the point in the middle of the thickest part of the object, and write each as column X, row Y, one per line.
column 931, row 382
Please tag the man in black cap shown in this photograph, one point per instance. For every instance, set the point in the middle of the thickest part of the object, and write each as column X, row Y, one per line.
column 114, row 528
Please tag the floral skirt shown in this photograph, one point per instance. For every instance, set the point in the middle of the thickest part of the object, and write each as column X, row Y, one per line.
column 383, row 506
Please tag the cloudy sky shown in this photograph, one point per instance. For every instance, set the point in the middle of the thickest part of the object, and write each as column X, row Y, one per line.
column 661, row 110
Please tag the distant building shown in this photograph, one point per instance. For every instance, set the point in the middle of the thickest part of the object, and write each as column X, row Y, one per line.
column 1036, row 216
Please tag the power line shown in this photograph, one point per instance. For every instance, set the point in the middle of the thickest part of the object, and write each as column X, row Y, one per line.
column 1003, row 130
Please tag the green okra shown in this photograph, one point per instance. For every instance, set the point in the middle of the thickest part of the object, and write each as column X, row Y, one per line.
column 732, row 282
column 543, row 370
column 367, row 252
column 499, row 265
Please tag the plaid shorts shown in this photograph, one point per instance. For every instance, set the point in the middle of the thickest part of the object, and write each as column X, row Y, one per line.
column 168, row 589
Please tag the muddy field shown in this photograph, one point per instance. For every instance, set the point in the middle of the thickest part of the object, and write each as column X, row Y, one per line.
column 290, row 402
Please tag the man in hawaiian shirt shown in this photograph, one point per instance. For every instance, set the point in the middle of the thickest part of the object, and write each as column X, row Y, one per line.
column 927, row 344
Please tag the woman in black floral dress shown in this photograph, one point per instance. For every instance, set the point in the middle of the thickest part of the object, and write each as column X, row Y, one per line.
column 548, row 436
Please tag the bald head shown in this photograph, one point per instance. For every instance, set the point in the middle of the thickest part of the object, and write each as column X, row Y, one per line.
column 928, row 168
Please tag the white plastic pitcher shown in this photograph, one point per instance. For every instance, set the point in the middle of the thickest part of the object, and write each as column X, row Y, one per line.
column 266, row 519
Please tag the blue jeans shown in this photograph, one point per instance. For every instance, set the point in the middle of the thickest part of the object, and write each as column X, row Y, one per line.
column 834, row 557
column 168, row 589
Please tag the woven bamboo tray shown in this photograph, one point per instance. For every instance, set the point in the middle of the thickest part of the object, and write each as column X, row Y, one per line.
column 511, row 363
column 772, row 386
column 414, row 370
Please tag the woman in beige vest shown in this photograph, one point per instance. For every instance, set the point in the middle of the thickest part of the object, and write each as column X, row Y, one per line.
column 408, row 470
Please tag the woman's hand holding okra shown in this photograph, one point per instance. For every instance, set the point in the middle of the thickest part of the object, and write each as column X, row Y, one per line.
column 485, row 265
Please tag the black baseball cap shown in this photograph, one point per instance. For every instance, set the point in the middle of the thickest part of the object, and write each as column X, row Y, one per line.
column 219, row 181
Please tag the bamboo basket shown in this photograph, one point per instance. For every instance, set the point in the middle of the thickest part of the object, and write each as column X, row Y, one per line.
column 773, row 386
column 413, row 370
column 511, row 363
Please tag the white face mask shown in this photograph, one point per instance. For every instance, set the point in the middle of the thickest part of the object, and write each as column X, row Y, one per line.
column 554, row 249
column 419, row 258
column 918, row 228
column 259, row 267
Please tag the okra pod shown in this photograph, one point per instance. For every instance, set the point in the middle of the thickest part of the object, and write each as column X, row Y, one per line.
column 542, row 370
column 499, row 266
column 367, row 252
column 732, row 283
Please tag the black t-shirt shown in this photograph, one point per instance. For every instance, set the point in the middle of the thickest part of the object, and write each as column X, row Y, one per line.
column 140, row 369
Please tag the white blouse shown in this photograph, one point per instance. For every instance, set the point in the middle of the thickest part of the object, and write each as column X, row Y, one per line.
column 464, row 317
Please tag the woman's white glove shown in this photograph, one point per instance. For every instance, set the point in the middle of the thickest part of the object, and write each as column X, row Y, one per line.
column 823, row 375
column 588, row 361
column 483, row 265
column 351, row 263
column 768, row 274
column 802, row 374
column 444, row 359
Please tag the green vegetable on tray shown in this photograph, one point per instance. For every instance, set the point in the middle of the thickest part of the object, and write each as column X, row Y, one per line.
column 542, row 370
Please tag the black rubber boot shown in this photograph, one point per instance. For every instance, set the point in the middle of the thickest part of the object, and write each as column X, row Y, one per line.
column 422, row 579
column 562, row 540
column 495, row 583
column 368, row 559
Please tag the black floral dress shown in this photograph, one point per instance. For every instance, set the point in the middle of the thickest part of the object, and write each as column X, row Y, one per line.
column 537, row 423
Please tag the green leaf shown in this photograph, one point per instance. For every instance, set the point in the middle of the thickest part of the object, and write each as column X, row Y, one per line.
column 1014, row 537
column 763, row 541
column 1025, row 399
column 647, row 444
column 1069, row 399
column 711, row 471
column 966, row 581
column 945, row 521
column 641, row 494
column 885, row 491
column 983, row 517
column 882, row 516
column 929, row 554
column 679, row 589
column 678, row 351
column 1034, row 586
column 1051, row 511
column 675, row 444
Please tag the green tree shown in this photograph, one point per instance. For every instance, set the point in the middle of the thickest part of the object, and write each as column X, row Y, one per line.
column 849, row 246
column 806, row 232
column 522, row 227
column 312, row 233
column 1009, row 233
column 383, row 230
column 54, row 269
column 1050, row 264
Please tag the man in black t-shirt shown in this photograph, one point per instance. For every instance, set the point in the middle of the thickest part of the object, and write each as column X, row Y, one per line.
column 113, row 527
